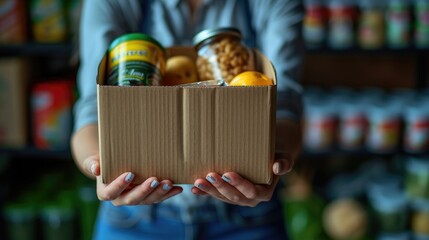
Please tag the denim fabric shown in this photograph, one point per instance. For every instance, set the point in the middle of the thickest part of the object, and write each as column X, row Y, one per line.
column 163, row 221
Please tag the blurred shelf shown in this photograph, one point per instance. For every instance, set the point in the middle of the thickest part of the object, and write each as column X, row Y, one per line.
column 36, row 49
column 364, row 153
column 361, row 51
column 32, row 152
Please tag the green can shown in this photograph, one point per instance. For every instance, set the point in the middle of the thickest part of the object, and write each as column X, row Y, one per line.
column 136, row 59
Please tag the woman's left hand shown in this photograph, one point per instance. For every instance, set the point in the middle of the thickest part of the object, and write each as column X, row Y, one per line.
column 234, row 189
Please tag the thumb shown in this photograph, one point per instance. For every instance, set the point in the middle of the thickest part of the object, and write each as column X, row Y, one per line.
column 282, row 166
column 92, row 165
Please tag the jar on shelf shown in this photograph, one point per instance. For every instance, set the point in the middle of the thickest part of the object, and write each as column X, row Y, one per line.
column 342, row 20
column 352, row 126
column 314, row 27
column 371, row 24
column 417, row 178
column 420, row 219
column 221, row 54
column 421, row 28
column 398, row 23
column 416, row 135
column 384, row 127
column 320, row 126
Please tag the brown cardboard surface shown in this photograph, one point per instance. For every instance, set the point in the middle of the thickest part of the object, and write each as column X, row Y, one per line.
column 183, row 133
column 13, row 79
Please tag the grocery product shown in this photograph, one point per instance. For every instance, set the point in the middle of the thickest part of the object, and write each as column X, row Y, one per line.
column 221, row 55
column 371, row 24
column 21, row 221
column 319, row 126
column 342, row 20
column 12, row 22
column 315, row 23
column 136, row 59
column 421, row 25
column 352, row 125
column 49, row 20
column 58, row 221
column 398, row 23
column 417, row 177
column 251, row 78
column 345, row 218
column 180, row 70
column 420, row 218
column 51, row 107
column 384, row 127
column 416, row 135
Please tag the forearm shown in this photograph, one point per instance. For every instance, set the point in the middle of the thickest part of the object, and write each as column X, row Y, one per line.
column 84, row 144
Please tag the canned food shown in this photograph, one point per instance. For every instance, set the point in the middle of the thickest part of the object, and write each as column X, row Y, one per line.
column 136, row 59
column 221, row 55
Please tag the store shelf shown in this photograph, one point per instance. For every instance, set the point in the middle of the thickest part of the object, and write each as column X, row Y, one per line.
column 32, row 152
column 364, row 153
column 36, row 49
column 360, row 51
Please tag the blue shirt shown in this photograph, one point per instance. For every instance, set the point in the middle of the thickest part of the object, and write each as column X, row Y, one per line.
column 274, row 24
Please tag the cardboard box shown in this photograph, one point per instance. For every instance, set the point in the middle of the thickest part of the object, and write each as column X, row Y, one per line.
column 183, row 133
column 13, row 99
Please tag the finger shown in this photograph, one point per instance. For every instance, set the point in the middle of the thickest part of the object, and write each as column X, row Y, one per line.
column 244, row 186
column 114, row 189
column 173, row 192
column 225, row 189
column 282, row 166
column 138, row 193
column 158, row 193
column 92, row 165
column 197, row 191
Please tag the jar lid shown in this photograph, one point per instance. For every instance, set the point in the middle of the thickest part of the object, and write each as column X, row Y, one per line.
column 209, row 33
column 135, row 36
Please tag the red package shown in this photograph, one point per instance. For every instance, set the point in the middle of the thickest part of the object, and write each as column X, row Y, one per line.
column 12, row 22
column 52, row 114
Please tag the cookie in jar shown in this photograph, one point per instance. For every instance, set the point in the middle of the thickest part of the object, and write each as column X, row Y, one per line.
column 221, row 54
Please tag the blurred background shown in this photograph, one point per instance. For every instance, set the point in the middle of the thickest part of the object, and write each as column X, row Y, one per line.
column 364, row 169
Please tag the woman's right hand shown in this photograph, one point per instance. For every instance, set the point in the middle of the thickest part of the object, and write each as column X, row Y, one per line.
column 121, row 192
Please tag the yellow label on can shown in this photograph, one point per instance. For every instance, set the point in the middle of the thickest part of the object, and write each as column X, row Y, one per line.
column 137, row 50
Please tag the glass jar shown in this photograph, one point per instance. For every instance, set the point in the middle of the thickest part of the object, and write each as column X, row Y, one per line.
column 421, row 29
column 342, row 17
column 398, row 23
column 314, row 26
column 416, row 136
column 371, row 24
column 221, row 54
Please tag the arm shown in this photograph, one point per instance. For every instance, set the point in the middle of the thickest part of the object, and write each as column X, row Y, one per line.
column 101, row 22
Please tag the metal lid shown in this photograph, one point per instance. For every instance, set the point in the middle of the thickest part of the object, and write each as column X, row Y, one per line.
column 135, row 36
column 209, row 33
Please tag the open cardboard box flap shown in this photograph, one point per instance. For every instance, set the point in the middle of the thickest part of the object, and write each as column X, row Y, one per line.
column 183, row 133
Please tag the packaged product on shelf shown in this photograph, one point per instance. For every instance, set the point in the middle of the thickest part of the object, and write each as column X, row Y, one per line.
column 13, row 98
column 420, row 219
column 352, row 125
column 398, row 23
column 417, row 178
column 384, row 127
column 320, row 126
column 390, row 206
column 52, row 108
column 20, row 220
column 12, row 22
column 315, row 23
column 49, row 21
column 416, row 136
column 371, row 24
column 421, row 27
column 57, row 221
column 342, row 21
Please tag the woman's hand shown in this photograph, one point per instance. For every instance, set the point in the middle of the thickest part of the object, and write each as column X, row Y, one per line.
column 234, row 189
column 122, row 192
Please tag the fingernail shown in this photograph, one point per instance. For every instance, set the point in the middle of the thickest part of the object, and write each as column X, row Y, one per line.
column 154, row 184
column 276, row 167
column 93, row 169
column 226, row 179
column 166, row 187
column 129, row 177
column 211, row 179
column 201, row 186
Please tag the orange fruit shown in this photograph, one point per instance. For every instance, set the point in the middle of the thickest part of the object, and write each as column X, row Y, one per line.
column 179, row 70
column 251, row 78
